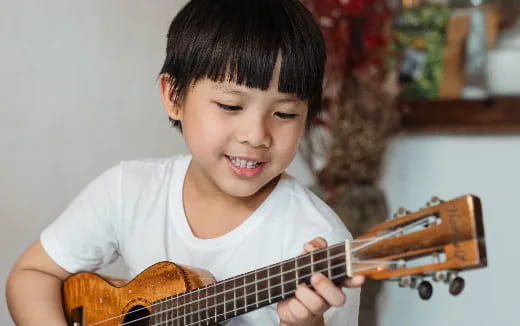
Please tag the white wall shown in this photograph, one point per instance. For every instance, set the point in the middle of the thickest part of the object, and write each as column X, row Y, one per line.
column 78, row 93
column 448, row 166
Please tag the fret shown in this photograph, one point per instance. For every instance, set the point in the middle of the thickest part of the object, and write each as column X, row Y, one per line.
column 229, row 303
column 269, row 286
column 329, row 272
column 282, row 280
column 304, row 270
column 178, row 309
column 320, row 261
column 275, row 281
column 204, row 305
column 153, row 317
column 188, row 307
column 240, row 303
column 338, row 263
column 289, row 277
column 235, row 296
column 295, row 274
column 166, row 309
column 212, row 308
column 194, row 308
column 262, row 285
column 171, row 315
column 159, row 312
column 245, row 292
column 198, row 305
column 312, row 263
column 184, row 308
column 250, row 289
column 219, row 301
column 256, row 290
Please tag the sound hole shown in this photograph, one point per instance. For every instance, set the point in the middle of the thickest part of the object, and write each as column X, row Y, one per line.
column 137, row 316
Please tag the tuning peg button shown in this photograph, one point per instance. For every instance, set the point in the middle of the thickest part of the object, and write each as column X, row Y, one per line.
column 425, row 290
column 457, row 285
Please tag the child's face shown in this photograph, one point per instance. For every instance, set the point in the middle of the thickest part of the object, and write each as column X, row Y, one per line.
column 241, row 138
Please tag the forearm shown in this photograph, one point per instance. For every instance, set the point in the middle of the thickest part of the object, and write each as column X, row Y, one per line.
column 34, row 298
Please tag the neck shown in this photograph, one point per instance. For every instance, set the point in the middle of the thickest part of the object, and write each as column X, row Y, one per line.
column 228, row 298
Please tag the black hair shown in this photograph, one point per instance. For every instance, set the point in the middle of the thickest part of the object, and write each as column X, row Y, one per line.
column 240, row 41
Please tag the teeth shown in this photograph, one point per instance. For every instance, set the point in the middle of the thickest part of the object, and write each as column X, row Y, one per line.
column 244, row 163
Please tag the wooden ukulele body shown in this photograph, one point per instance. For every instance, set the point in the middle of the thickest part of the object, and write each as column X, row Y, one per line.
column 89, row 298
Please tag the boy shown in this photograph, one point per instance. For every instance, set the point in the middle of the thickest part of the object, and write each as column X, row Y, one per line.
column 241, row 80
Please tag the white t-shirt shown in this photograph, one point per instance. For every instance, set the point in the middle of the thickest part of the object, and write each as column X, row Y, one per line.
column 135, row 210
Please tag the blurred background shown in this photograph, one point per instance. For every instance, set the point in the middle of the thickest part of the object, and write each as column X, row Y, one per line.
column 421, row 97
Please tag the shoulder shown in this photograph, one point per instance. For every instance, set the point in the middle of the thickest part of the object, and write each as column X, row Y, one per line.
column 145, row 166
column 152, row 170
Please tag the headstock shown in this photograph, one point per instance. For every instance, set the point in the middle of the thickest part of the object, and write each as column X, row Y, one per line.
column 437, row 241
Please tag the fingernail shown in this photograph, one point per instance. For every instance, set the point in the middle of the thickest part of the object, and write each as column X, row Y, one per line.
column 317, row 277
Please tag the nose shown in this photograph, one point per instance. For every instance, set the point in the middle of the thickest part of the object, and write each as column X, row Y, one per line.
column 255, row 132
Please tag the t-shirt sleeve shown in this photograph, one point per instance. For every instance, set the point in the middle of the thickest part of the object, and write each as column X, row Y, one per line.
column 83, row 237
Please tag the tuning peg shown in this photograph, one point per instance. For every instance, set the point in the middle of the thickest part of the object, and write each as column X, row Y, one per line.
column 401, row 211
column 440, row 276
column 457, row 285
column 407, row 281
column 434, row 200
column 425, row 290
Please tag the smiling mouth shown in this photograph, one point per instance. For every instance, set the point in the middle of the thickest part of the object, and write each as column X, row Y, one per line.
column 243, row 163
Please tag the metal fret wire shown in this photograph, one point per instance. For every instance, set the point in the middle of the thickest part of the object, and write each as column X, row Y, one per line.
column 183, row 295
column 257, row 303
column 279, row 296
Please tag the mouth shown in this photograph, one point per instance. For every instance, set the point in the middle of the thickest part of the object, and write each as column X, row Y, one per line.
column 245, row 167
column 244, row 163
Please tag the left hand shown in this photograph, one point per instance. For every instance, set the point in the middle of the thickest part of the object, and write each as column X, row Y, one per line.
column 307, row 307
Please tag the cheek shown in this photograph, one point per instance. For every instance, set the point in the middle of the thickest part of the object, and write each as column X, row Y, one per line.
column 204, row 135
column 288, row 140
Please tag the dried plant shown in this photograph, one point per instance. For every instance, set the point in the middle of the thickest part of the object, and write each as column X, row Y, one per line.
column 347, row 144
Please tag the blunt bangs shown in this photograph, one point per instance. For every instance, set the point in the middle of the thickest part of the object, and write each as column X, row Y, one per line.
column 240, row 41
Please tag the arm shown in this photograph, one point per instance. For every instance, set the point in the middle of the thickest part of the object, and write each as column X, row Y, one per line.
column 34, row 289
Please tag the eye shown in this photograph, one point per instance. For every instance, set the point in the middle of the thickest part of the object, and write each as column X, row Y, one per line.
column 231, row 108
column 283, row 115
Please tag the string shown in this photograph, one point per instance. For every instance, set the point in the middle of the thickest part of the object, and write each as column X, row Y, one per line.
column 229, row 301
column 370, row 241
column 225, row 290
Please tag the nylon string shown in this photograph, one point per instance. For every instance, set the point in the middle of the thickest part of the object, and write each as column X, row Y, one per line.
column 225, row 291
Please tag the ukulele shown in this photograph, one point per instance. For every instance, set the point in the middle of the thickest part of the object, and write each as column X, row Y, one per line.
column 437, row 241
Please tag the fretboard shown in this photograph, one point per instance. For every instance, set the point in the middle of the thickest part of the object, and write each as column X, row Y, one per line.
column 231, row 297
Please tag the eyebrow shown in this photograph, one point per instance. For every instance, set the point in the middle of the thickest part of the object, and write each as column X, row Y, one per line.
column 230, row 90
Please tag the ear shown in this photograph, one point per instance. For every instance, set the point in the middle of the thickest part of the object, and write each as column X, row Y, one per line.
column 172, row 109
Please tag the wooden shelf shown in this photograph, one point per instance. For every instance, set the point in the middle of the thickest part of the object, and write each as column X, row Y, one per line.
column 488, row 116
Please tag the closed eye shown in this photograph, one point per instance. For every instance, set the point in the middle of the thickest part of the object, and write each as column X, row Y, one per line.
column 229, row 107
column 283, row 115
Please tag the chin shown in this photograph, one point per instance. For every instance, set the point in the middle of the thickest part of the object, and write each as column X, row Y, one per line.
column 241, row 192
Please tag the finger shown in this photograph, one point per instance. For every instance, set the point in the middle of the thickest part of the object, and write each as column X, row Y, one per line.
column 311, row 300
column 316, row 243
column 298, row 310
column 332, row 294
column 355, row 281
